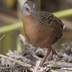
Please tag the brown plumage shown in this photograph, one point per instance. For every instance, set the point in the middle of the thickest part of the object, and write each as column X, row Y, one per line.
column 42, row 29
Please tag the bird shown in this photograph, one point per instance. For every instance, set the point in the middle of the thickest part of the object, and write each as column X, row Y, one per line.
column 42, row 29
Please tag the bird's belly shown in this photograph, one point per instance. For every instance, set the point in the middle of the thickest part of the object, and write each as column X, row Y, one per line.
column 39, row 38
column 37, row 35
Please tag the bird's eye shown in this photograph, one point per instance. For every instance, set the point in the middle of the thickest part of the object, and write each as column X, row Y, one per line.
column 27, row 8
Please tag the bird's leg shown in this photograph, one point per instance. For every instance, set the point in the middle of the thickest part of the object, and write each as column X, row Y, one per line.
column 49, row 50
column 53, row 52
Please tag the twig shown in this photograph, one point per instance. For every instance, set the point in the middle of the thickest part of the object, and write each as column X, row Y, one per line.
column 19, row 62
column 59, row 63
column 35, row 56
column 8, row 67
column 37, row 65
column 2, row 37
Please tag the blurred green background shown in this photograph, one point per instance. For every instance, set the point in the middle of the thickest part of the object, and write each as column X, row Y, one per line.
column 10, row 13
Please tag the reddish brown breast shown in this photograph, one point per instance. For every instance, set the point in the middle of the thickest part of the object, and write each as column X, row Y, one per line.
column 47, row 31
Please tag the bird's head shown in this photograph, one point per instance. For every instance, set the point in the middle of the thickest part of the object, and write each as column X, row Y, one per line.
column 29, row 9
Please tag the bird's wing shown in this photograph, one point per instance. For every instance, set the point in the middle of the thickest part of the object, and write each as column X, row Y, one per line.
column 49, row 20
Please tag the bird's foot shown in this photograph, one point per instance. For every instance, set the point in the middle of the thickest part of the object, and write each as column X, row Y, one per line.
column 53, row 52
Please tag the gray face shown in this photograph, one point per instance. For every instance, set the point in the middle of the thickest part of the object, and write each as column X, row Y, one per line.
column 29, row 9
